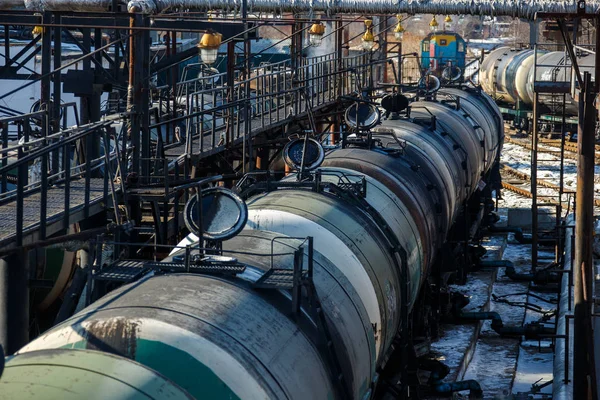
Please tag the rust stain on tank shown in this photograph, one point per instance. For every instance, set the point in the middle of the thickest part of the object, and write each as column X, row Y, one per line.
column 115, row 335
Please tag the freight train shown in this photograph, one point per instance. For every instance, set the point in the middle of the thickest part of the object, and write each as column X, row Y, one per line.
column 317, row 297
column 511, row 77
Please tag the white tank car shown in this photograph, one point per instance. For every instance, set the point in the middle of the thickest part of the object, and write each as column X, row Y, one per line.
column 507, row 75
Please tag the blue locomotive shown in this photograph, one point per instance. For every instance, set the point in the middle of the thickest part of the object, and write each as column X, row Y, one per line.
column 443, row 54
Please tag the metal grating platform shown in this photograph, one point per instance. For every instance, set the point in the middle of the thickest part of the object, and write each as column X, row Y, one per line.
column 123, row 271
column 229, row 269
column 204, row 268
column 55, row 207
column 276, row 278
column 131, row 270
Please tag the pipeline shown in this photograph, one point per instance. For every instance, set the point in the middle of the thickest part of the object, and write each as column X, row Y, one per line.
column 529, row 331
column 472, row 385
column 516, row 9
column 539, row 277
column 526, row 10
column 439, row 371
column 519, row 235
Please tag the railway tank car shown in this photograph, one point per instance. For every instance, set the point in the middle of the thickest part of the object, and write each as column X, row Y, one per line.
column 508, row 75
column 369, row 252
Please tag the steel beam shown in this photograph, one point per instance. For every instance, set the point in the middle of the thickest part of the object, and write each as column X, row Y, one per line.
column 106, row 21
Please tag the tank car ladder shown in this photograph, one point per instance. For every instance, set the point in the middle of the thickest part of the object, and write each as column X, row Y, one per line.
column 541, row 199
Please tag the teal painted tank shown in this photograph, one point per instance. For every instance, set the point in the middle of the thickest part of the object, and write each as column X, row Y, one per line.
column 83, row 374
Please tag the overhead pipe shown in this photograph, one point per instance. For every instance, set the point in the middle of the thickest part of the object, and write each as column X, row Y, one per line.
column 517, row 9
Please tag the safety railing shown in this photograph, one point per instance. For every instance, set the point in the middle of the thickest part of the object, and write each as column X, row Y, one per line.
column 209, row 112
column 38, row 175
column 415, row 67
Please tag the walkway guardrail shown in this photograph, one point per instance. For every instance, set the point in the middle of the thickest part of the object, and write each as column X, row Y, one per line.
column 44, row 180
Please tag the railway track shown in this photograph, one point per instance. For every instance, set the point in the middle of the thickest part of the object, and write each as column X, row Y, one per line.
column 549, row 146
column 513, row 180
column 511, row 174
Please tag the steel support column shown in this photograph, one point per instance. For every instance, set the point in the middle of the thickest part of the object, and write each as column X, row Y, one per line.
column 231, row 115
column 247, row 70
column 56, row 81
column 534, row 167
column 533, row 33
column 584, row 228
column 339, row 43
column 14, row 301
column 46, row 68
column 46, row 129
column 143, row 72
column 134, row 106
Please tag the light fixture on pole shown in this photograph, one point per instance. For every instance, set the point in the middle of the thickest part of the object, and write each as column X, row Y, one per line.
column 433, row 25
column 448, row 23
column 209, row 47
column 368, row 40
column 399, row 30
column 315, row 34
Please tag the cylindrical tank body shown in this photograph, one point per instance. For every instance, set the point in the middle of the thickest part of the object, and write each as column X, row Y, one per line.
column 556, row 67
column 224, row 337
column 339, row 230
column 83, row 374
column 211, row 337
column 433, row 158
column 508, row 75
column 504, row 74
column 400, row 193
column 482, row 109
column 458, row 134
column 516, row 75
column 488, row 70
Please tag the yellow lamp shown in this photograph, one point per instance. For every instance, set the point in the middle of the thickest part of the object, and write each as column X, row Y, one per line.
column 399, row 30
column 209, row 47
column 433, row 25
column 368, row 40
column 315, row 34
column 448, row 23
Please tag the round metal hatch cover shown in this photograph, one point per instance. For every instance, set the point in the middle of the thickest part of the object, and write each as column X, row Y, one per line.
column 429, row 84
column 394, row 102
column 293, row 150
column 224, row 214
column 362, row 116
column 451, row 73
